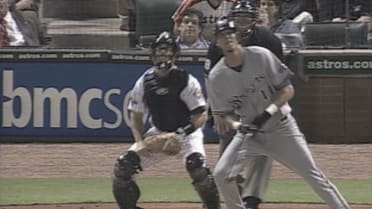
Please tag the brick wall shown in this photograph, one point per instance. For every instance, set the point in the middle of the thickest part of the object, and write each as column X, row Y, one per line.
column 334, row 110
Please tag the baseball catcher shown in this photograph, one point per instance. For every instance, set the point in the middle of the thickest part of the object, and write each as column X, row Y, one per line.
column 174, row 100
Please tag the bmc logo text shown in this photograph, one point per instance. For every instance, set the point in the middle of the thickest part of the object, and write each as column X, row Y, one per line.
column 30, row 108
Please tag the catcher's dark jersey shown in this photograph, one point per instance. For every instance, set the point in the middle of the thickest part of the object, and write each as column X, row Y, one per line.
column 170, row 100
column 258, row 37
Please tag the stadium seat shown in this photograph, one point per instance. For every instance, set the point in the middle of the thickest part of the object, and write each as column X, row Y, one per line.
column 153, row 17
column 333, row 35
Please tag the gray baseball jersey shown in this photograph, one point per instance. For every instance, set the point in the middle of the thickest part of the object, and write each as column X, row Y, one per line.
column 250, row 91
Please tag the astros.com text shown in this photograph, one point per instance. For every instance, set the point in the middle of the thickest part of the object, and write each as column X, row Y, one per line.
column 338, row 65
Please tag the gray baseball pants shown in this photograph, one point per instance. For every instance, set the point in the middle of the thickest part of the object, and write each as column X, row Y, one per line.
column 283, row 142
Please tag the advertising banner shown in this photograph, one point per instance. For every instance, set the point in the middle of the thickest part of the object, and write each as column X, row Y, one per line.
column 336, row 62
column 73, row 97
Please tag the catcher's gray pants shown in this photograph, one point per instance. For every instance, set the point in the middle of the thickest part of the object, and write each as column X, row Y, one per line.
column 284, row 143
column 255, row 174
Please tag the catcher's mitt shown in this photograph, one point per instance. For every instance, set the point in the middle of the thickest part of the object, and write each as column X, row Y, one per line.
column 168, row 143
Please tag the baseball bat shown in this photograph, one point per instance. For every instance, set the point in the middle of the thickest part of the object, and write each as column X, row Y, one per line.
column 245, row 128
column 182, row 7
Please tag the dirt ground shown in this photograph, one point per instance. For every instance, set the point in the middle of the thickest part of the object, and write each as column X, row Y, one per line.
column 96, row 160
column 173, row 206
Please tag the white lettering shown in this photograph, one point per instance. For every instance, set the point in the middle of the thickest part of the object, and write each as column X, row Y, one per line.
column 84, row 108
column 55, row 99
column 114, row 109
column 24, row 96
column 25, row 106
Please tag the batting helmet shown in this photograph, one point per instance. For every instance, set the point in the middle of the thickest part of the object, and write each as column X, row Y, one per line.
column 244, row 6
column 224, row 23
column 165, row 38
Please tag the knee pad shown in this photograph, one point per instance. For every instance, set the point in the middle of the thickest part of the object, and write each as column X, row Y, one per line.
column 126, row 193
column 127, row 165
column 124, row 188
column 203, row 181
column 194, row 162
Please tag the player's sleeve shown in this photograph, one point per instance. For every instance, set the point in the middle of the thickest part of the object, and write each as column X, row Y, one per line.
column 192, row 94
column 136, row 102
column 216, row 99
column 278, row 72
column 213, row 56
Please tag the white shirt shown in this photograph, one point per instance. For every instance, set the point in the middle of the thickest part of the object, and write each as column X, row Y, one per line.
column 14, row 34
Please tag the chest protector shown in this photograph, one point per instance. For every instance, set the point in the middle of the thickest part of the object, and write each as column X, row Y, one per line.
column 162, row 96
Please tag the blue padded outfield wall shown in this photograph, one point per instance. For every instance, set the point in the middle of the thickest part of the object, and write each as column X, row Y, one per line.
column 81, row 95
column 71, row 94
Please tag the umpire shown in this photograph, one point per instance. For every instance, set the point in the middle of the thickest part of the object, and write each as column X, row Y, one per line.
column 245, row 15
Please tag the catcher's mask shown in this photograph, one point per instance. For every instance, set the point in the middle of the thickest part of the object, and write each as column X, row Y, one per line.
column 164, row 50
column 245, row 14
column 244, row 6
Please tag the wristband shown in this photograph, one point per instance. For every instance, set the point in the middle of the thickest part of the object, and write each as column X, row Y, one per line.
column 272, row 109
column 235, row 125
column 186, row 130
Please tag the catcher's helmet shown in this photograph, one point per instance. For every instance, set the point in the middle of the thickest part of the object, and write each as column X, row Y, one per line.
column 165, row 38
column 169, row 39
column 244, row 6
column 224, row 23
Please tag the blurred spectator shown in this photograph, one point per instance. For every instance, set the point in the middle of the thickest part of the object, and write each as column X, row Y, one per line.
column 292, row 9
column 28, row 8
column 4, row 39
column 127, row 14
column 189, row 28
column 24, row 5
column 30, row 13
column 211, row 15
column 15, row 29
column 335, row 10
column 287, row 31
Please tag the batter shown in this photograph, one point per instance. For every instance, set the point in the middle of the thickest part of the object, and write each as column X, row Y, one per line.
column 254, row 83
column 245, row 14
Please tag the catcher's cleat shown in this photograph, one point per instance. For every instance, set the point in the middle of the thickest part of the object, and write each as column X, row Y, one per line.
column 251, row 202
